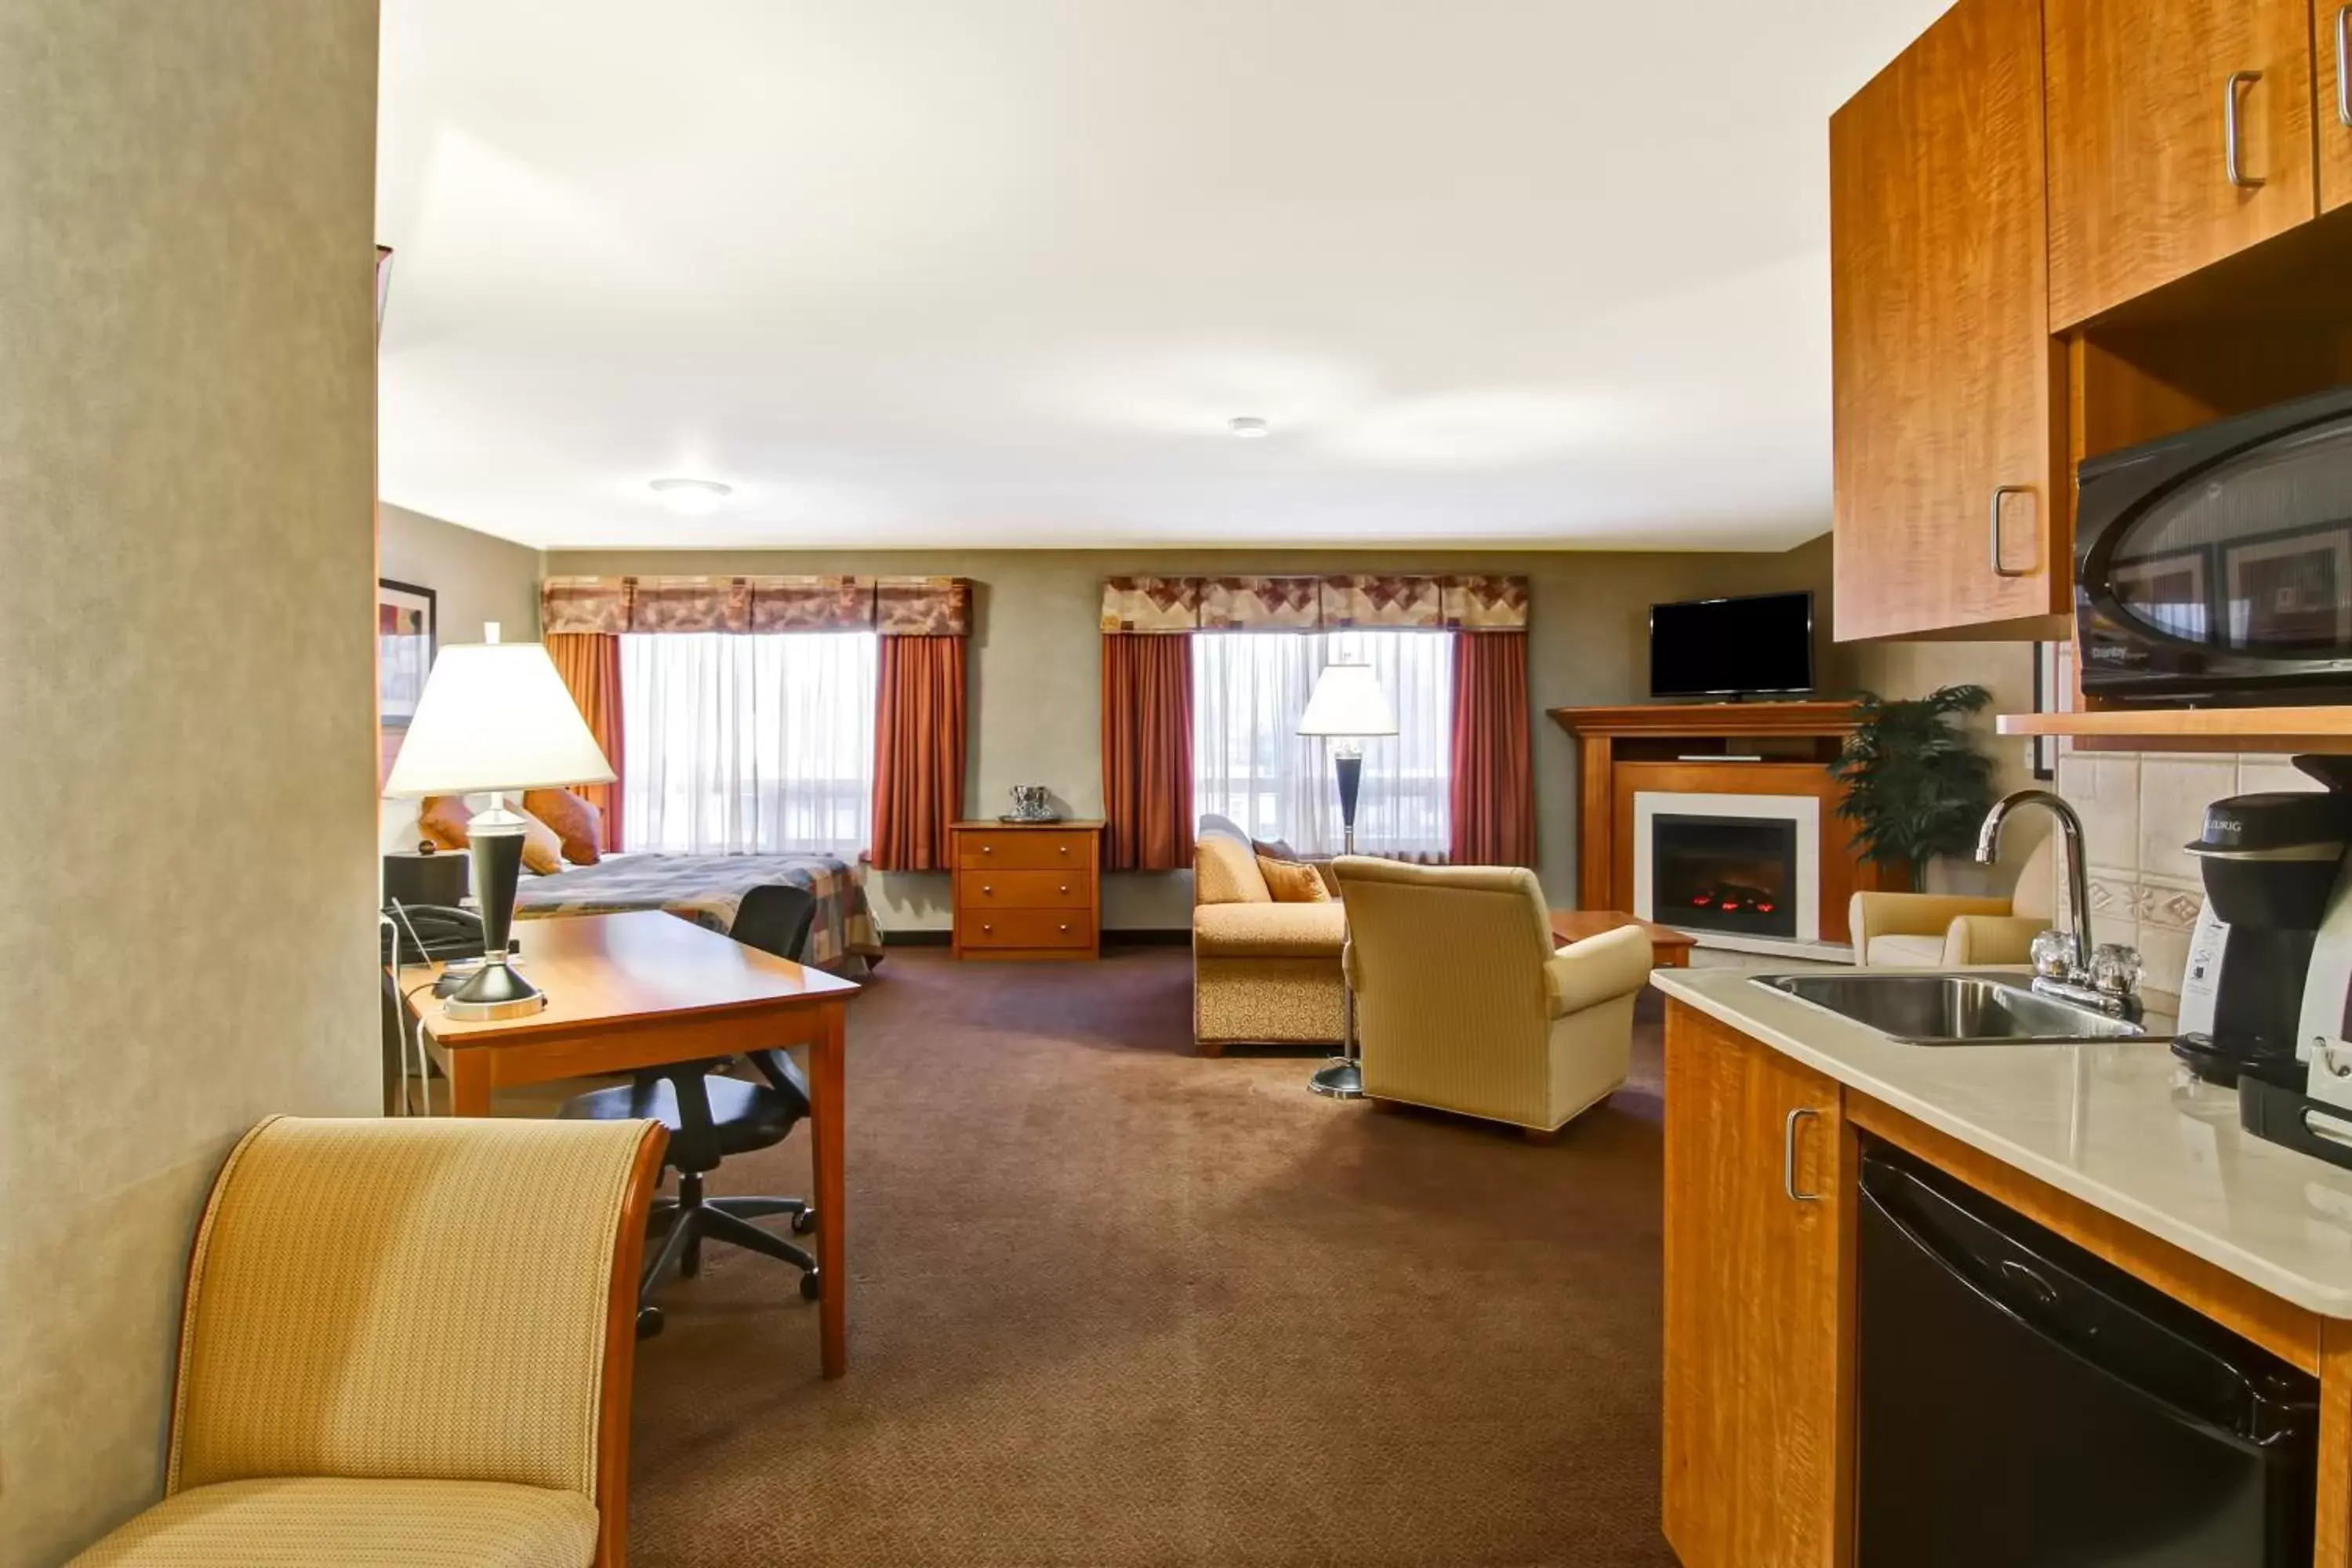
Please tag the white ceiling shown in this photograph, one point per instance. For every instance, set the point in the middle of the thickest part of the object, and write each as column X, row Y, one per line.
column 997, row 272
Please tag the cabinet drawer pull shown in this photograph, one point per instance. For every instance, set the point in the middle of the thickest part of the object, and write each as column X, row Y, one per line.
column 988, row 849
column 1065, row 931
column 1789, row 1157
column 2344, row 65
column 2000, row 494
column 1065, row 887
column 1065, row 848
column 2233, row 139
column 988, row 886
column 987, row 930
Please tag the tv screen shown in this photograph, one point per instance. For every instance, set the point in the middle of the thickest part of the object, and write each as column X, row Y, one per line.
column 1732, row 647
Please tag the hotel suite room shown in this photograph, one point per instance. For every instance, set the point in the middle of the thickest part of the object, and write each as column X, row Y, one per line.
column 946, row 558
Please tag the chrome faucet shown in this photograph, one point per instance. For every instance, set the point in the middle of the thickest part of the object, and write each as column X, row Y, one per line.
column 2104, row 977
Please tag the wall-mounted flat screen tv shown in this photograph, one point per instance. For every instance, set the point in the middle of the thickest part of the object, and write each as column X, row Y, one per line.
column 1753, row 646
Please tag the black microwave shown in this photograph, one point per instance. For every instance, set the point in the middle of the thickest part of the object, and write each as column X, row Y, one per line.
column 2214, row 567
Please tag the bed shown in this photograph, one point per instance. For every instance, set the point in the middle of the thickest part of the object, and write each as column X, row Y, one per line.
column 725, row 893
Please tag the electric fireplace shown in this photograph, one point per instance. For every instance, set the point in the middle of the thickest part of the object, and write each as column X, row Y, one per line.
column 1733, row 874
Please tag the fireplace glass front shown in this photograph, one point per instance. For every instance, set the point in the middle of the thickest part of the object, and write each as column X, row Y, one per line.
column 1734, row 874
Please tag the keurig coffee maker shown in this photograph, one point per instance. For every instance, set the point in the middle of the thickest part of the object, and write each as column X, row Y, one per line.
column 2270, row 862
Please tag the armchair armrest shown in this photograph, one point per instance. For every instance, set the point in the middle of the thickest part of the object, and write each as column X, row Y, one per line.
column 1992, row 938
column 1596, row 970
column 1871, row 915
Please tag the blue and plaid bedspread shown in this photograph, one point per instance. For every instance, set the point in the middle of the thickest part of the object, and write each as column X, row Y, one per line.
column 709, row 889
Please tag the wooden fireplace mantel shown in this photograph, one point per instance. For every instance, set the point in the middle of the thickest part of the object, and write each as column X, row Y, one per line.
column 1623, row 751
column 1708, row 721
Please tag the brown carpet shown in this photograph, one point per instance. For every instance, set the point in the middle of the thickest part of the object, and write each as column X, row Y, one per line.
column 1114, row 1304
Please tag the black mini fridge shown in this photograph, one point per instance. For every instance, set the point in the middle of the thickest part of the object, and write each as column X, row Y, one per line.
column 2025, row 1404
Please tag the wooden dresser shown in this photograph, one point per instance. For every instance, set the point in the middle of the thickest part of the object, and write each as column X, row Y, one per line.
column 1030, row 889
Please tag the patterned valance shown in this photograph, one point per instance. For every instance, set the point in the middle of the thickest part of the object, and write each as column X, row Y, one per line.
column 1454, row 603
column 896, row 607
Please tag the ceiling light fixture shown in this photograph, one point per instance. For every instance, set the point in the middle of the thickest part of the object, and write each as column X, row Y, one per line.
column 1250, row 427
column 692, row 498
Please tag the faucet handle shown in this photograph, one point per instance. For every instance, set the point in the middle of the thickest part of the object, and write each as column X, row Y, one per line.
column 2116, row 969
column 2052, row 954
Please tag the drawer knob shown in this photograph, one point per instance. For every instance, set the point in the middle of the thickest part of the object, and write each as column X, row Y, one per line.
column 987, row 930
column 1065, row 887
column 988, row 849
column 1065, row 848
column 1065, row 929
column 987, row 887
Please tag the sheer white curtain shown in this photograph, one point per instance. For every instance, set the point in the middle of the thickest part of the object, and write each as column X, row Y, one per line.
column 749, row 744
column 1248, row 691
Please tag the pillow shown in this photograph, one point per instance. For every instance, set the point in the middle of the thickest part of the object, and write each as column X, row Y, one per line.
column 1293, row 881
column 1225, row 872
column 577, row 822
column 445, row 820
column 1275, row 849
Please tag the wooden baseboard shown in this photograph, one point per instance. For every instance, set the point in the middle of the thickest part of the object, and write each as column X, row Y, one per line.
column 1180, row 936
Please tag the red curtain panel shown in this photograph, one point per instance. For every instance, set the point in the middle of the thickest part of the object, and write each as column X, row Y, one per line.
column 1147, row 741
column 919, row 751
column 590, row 664
column 1493, row 782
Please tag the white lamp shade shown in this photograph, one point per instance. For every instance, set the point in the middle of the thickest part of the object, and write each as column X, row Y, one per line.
column 494, row 716
column 1348, row 700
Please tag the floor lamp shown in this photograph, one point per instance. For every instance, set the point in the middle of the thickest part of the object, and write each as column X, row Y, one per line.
column 1348, row 707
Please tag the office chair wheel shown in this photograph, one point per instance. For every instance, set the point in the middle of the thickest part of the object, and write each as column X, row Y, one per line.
column 803, row 1222
column 812, row 1287
column 649, row 1322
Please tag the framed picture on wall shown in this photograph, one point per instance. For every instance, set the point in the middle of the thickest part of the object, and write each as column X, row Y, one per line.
column 407, row 623
column 2053, row 692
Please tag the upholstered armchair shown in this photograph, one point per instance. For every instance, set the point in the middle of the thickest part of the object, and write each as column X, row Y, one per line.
column 1932, row 928
column 1462, row 1004
column 407, row 1341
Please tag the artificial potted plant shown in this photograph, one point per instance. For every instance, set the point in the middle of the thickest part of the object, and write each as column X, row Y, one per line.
column 1916, row 784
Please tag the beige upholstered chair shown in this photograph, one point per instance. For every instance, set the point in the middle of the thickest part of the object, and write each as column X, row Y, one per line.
column 1461, row 1003
column 406, row 1341
column 1261, row 971
column 1931, row 928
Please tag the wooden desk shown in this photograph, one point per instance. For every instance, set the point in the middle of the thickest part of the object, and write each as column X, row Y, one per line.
column 633, row 991
column 1669, row 949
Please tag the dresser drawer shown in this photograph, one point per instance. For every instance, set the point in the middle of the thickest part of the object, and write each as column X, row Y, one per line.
column 1033, row 850
column 990, row 888
column 1023, row 928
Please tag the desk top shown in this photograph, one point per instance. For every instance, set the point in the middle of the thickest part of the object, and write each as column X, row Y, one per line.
column 599, row 970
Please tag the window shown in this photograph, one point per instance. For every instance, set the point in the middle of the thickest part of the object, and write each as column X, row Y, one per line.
column 1248, row 691
column 748, row 745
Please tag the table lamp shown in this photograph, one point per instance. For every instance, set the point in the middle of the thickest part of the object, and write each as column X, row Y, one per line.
column 495, row 717
column 1347, row 708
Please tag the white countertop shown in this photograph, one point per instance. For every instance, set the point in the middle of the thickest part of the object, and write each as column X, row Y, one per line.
column 2122, row 1126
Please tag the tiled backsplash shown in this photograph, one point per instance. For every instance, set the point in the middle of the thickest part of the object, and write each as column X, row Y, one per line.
column 2138, row 808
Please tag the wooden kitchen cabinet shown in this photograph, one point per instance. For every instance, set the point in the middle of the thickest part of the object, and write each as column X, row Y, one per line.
column 2331, row 22
column 1759, row 1368
column 1949, row 400
column 2142, row 101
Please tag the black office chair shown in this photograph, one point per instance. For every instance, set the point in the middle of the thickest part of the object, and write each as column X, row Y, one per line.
column 710, row 1117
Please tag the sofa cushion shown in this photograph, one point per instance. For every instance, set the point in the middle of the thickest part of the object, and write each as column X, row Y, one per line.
column 1293, row 881
column 1269, row 931
column 1912, row 950
column 1224, row 871
column 303, row 1522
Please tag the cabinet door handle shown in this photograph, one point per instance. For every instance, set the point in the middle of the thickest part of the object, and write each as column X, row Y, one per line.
column 2233, row 139
column 2000, row 494
column 2344, row 65
column 1789, row 1157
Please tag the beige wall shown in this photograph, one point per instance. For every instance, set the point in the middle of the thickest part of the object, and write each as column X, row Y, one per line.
column 1036, row 665
column 478, row 578
column 186, row 403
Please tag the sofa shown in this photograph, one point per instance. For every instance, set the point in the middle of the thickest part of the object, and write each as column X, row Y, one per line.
column 1949, row 932
column 1263, row 972
column 1462, row 1005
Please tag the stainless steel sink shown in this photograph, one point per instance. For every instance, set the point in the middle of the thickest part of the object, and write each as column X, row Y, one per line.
column 1949, row 1009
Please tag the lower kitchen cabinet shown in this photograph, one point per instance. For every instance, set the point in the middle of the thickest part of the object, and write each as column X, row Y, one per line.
column 1760, row 1224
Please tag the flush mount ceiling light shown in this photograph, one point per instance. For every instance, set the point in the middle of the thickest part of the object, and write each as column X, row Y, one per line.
column 692, row 498
column 1250, row 427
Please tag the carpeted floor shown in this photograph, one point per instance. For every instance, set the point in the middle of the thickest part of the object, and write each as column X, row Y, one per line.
column 1114, row 1304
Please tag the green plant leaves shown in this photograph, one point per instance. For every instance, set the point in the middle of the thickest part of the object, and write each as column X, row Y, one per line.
column 1916, row 785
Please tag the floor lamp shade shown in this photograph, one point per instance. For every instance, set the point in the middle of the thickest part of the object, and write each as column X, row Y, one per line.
column 495, row 717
